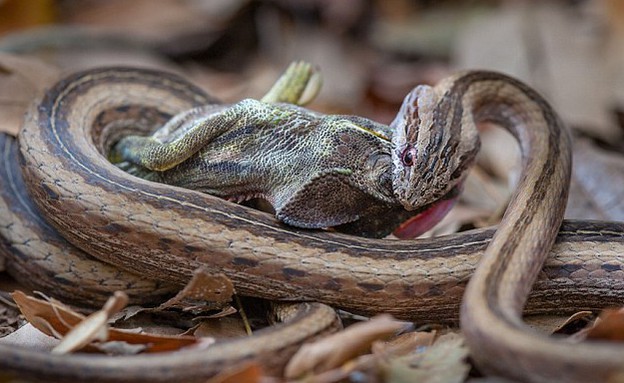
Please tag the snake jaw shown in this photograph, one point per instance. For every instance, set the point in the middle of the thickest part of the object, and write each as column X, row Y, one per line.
column 430, row 216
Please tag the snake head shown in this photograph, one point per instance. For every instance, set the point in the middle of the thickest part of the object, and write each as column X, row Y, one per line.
column 433, row 145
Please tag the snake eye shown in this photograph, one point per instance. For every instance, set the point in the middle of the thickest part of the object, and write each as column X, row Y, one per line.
column 407, row 157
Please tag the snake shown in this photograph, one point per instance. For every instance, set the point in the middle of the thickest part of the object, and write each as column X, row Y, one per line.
column 531, row 261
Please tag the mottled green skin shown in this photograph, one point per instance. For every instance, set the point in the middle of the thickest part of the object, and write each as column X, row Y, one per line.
column 316, row 170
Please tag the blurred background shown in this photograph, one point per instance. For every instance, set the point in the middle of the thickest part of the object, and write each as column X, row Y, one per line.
column 371, row 53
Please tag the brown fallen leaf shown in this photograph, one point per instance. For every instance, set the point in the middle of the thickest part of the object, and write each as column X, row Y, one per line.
column 371, row 365
column 570, row 68
column 557, row 324
column 404, row 344
column 21, row 80
column 608, row 326
column 140, row 18
column 55, row 319
column 364, row 365
column 332, row 351
column 58, row 316
column 393, row 360
column 93, row 328
column 596, row 185
column 204, row 292
column 248, row 373
column 226, row 327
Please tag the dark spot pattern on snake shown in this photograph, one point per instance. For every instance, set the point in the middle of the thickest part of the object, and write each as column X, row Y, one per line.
column 290, row 272
column 371, row 286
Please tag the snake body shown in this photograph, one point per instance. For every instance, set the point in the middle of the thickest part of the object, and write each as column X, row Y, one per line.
column 112, row 216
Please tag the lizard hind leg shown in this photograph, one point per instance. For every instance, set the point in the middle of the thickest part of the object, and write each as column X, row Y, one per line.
column 298, row 85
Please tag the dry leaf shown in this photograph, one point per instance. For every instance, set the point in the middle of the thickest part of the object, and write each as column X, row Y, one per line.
column 204, row 292
column 58, row 316
column 609, row 326
column 30, row 337
column 227, row 327
column 170, row 19
column 569, row 69
column 16, row 15
column 404, row 344
column 21, row 80
column 248, row 373
column 364, row 366
column 53, row 318
column 128, row 313
column 556, row 324
column 444, row 362
column 597, row 178
column 227, row 311
column 92, row 328
column 332, row 351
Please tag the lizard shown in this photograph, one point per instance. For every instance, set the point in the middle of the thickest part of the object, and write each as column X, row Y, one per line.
column 347, row 172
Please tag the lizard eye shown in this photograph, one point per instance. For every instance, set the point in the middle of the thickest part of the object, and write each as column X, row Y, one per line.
column 408, row 155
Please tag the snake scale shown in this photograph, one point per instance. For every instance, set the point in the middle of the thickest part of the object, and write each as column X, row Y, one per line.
column 164, row 233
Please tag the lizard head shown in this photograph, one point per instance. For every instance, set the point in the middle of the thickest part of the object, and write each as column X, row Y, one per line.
column 431, row 149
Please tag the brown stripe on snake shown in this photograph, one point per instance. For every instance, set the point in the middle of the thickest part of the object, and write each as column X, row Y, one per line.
column 421, row 279
column 545, row 173
column 450, row 110
column 43, row 260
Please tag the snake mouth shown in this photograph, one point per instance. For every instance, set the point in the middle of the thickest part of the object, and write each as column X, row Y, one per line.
column 429, row 216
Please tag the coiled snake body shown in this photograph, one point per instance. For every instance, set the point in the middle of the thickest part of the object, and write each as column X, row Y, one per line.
column 165, row 233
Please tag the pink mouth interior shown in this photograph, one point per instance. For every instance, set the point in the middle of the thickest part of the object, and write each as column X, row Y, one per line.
column 424, row 221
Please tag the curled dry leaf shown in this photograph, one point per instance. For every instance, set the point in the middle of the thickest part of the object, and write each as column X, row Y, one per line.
column 55, row 319
column 59, row 317
column 332, row 351
column 557, row 324
column 204, row 292
column 92, row 328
